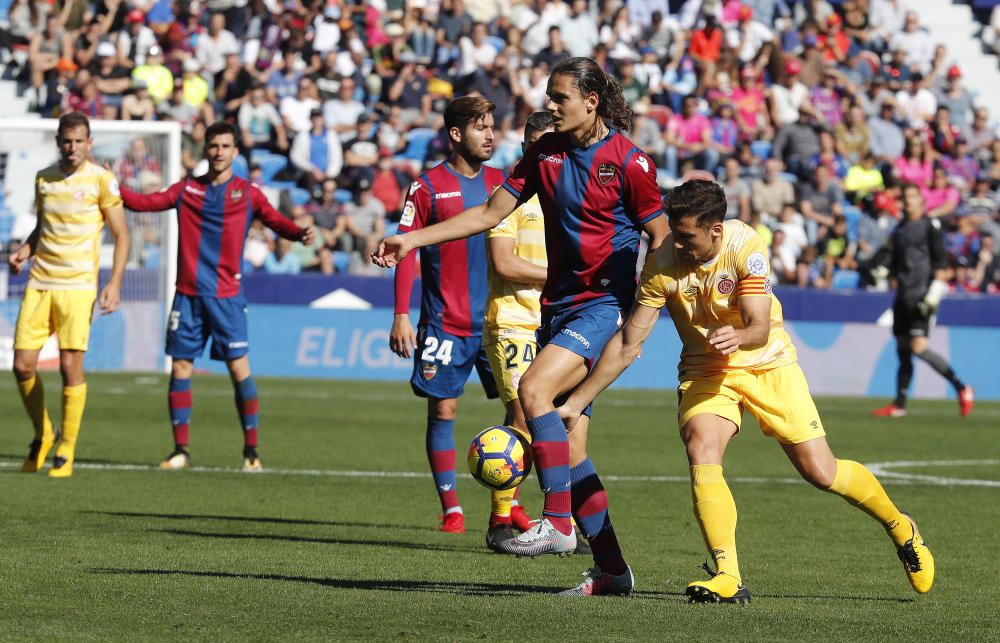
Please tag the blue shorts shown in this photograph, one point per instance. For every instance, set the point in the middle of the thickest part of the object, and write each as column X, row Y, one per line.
column 443, row 362
column 584, row 329
column 194, row 319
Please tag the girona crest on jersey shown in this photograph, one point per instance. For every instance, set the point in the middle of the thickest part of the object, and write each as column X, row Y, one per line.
column 726, row 285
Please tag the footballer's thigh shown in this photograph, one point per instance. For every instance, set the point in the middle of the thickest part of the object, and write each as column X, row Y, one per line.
column 72, row 314
column 709, row 414
column 509, row 358
column 554, row 371
column 35, row 323
column 780, row 400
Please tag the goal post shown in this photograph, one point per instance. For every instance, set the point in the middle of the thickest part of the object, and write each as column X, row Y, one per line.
column 146, row 157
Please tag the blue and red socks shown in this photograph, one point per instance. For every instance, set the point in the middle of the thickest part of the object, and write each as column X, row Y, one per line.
column 550, row 451
column 590, row 508
column 248, row 406
column 179, row 403
column 441, row 455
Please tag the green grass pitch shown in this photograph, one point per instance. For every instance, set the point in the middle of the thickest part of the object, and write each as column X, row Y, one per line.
column 338, row 539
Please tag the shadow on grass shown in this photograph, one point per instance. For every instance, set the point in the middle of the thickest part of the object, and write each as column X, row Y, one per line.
column 260, row 519
column 387, row 585
column 322, row 541
column 823, row 597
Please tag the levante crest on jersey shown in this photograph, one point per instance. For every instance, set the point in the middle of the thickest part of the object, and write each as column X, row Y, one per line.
column 606, row 173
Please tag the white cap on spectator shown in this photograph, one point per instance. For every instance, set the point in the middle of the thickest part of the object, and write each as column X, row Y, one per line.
column 192, row 64
column 106, row 49
column 394, row 29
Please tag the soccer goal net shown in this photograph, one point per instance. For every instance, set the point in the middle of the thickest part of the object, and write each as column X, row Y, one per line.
column 145, row 156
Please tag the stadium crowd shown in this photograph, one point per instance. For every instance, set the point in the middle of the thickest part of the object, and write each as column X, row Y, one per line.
column 812, row 114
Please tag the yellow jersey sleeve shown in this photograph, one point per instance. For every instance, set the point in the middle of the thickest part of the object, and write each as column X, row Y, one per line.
column 513, row 309
column 753, row 268
column 110, row 195
column 652, row 283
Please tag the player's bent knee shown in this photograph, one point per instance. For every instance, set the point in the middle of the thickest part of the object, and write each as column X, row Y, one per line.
column 442, row 409
column 24, row 370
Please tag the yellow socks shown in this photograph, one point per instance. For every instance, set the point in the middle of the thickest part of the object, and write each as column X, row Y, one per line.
column 74, row 399
column 858, row 486
column 500, row 502
column 33, row 395
column 715, row 510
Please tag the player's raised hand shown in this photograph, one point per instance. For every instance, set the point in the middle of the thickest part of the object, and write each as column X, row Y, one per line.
column 726, row 340
column 402, row 339
column 307, row 237
column 109, row 299
column 17, row 259
column 391, row 251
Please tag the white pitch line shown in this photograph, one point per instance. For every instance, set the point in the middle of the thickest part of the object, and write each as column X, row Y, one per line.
column 881, row 469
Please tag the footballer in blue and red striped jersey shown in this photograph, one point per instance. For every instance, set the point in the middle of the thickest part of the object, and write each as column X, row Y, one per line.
column 214, row 213
column 597, row 198
column 448, row 342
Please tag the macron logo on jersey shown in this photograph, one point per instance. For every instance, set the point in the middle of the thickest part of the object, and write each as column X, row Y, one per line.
column 446, row 195
column 643, row 163
column 550, row 159
column 194, row 190
column 577, row 336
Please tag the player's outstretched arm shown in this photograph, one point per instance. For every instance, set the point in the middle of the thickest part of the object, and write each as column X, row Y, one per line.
column 472, row 221
column 273, row 219
column 111, row 294
column 507, row 265
column 156, row 202
column 617, row 355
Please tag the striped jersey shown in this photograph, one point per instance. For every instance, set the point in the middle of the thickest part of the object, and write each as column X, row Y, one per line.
column 595, row 201
column 212, row 224
column 453, row 274
column 514, row 309
column 703, row 297
column 70, row 222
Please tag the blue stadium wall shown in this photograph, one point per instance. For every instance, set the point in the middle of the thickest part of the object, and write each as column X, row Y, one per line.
column 843, row 347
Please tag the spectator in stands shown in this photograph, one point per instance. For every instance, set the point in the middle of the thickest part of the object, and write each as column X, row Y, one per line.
column 826, row 99
column 135, row 40
column 232, row 85
column 770, row 193
column 45, row 49
column 852, row 136
column 316, row 153
column 706, row 45
column 981, row 134
column 987, row 266
column 960, row 165
column 725, row 131
column 646, row 134
column 137, row 161
column 556, row 50
column 916, row 165
column 580, row 24
column 864, row 177
column 315, row 257
column 820, row 202
column 260, row 124
column 980, row 207
column 192, row 146
column 341, row 112
column 493, row 82
column 138, row 106
column 112, row 79
column 689, row 138
column 916, row 42
column 956, row 98
column 880, row 216
column 361, row 151
column 886, row 140
column 364, row 223
column 196, row 91
column 737, row 192
column 789, row 97
column 797, row 144
column 283, row 83
column 408, row 91
column 258, row 245
column 748, row 35
column 281, row 261
column 175, row 108
column 389, row 185
column 632, row 89
column 158, row 78
column 837, row 250
column 83, row 96
column 807, row 273
column 750, row 104
column 214, row 45
column 941, row 199
column 783, row 258
column 916, row 102
column 680, row 79
column 296, row 111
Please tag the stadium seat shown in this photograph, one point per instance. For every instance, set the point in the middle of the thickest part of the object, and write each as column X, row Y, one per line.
column 846, row 279
column 257, row 154
column 300, row 196
column 788, row 176
column 761, row 149
column 498, row 43
column 343, row 196
column 6, row 225
column 341, row 261
column 241, row 168
column 270, row 165
column 661, row 114
column 853, row 216
column 418, row 142
column 281, row 185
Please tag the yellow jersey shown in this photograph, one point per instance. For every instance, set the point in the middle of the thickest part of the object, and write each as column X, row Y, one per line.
column 70, row 222
column 702, row 298
column 514, row 309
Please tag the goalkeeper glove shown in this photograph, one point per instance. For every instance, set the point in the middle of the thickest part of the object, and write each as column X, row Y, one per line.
column 932, row 299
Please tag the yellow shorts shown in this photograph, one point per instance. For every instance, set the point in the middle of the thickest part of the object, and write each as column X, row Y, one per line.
column 509, row 358
column 779, row 398
column 64, row 312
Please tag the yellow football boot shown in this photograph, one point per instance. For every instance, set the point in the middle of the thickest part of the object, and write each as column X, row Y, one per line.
column 720, row 588
column 62, row 467
column 917, row 560
column 37, row 453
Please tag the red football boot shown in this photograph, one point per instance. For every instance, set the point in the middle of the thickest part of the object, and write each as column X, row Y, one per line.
column 453, row 523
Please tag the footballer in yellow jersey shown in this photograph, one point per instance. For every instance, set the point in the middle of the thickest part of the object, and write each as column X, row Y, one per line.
column 74, row 198
column 714, row 280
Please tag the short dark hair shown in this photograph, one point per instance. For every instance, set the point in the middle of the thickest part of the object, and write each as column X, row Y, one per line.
column 466, row 109
column 538, row 122
column 220, row 128
column 702, row 199
column 73, row 120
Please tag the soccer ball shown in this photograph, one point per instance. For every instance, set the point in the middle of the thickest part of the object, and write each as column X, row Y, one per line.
column 499, row 457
